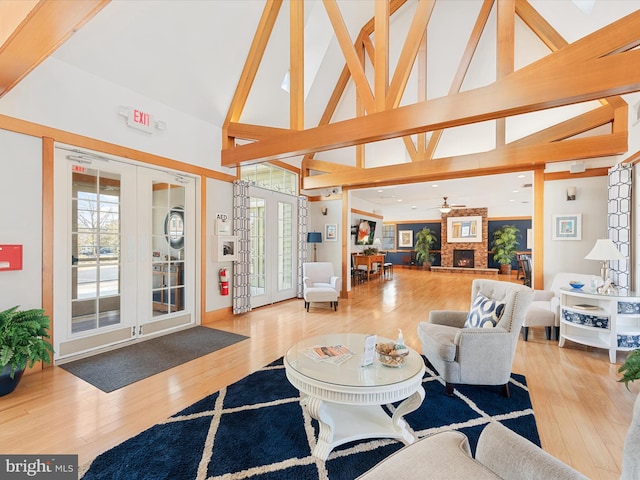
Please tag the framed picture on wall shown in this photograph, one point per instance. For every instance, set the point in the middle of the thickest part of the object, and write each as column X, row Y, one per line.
column 331, row 232
column 405, row 238
column 567, row 226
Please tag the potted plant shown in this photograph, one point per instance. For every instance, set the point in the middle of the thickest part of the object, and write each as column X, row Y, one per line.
column 24, row 340
column 630, row 369
column 505, row 241
column 425, row 239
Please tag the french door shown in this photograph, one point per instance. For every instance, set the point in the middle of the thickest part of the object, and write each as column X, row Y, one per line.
column 273, row 246
column 124, row 252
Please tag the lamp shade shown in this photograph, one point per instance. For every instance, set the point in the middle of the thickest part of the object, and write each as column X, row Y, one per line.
column 314, row 237
column 604, row 249
column 377, row 242
column 445, row 209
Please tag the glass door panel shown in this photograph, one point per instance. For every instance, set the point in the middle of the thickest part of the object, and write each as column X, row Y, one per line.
column 168, row 248
column 95, row 276
column 257, row 209
column 273, row 248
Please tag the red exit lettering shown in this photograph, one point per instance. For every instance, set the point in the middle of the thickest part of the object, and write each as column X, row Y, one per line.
column 77, row 168
column 141, row 118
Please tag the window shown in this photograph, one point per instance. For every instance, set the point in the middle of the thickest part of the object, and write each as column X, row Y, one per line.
column 270, row 177
column 388, row 236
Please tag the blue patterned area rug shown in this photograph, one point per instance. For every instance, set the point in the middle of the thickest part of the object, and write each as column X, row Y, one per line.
column 256, row 429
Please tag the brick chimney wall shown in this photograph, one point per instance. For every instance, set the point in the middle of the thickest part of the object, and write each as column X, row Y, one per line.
column 480, row 249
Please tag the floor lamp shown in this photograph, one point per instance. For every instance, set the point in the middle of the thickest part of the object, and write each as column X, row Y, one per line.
column 315, row 238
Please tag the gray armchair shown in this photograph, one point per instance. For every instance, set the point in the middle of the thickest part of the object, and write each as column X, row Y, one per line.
column 476, row 356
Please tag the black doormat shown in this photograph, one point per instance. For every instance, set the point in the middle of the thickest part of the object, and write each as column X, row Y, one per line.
column 118, row 368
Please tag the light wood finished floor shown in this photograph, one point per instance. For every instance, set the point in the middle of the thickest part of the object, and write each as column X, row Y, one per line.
column 582, row 411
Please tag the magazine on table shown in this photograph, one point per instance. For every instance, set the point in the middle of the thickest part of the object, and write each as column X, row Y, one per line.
column 335, row 354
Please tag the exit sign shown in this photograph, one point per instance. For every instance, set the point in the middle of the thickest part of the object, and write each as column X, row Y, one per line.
column 140, row 119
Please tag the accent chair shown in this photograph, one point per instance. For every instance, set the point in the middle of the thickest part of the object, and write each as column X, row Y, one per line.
column 477, row 347
column 320, row 284
column 544, row 311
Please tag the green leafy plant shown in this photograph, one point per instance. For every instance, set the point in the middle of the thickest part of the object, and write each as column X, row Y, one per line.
column 630, row 369
column 505, row 241
column 425, row 239
column 370, row 251
column 24, row 338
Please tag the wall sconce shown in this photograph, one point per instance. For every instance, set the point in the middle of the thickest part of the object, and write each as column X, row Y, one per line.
column 323, row 210
column 571, row 193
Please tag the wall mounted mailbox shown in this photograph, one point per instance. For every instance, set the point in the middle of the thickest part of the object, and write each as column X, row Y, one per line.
column 10, row 257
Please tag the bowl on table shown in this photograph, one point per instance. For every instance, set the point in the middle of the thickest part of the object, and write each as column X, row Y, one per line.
column 390, row 356
column 576, row 284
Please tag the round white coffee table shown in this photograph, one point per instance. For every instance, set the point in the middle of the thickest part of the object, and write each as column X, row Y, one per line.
column 347, row 399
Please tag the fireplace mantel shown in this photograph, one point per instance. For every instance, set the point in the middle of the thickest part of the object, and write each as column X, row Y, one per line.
column 480, row 249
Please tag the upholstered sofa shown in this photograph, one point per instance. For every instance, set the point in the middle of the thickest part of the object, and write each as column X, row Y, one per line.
column 544, row 311
column 500, row 454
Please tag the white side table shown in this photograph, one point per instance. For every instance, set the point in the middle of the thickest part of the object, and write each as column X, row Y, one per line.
column 610, row 321
column 347, row 399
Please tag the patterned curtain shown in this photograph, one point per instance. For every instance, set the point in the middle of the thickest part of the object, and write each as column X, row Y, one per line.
column 619, row 213
column 303, row 228
column 242, row 267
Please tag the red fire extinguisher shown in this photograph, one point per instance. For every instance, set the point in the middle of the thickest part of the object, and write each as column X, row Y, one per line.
column 224, row 281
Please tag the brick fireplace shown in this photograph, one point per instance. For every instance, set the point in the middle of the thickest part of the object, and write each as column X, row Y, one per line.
column 476, row 252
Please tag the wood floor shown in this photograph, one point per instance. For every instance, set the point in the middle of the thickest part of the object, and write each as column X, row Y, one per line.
column 582, row 411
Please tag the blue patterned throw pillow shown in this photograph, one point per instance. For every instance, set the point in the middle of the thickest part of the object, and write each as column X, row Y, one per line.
column 484, row 312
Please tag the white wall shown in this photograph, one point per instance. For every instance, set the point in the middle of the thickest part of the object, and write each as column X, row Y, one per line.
column 21, row 214
column 58, row 95
column 591, row 202
column 219, row 200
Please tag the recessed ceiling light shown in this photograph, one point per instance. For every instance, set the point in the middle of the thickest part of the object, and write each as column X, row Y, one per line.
column 516, row 191
column 399, row 199
column 413, row 207
column 521, row 176
column 435, row 185
column 512, row 200
column 380, row 190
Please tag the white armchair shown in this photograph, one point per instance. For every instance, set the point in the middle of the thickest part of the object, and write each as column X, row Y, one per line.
column 320, row 284
column 544, row 311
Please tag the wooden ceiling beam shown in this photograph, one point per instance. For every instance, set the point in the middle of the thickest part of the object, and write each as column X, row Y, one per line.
column 505, row 53
column 47, row 26
column 249, row 131
column 349, row 52
column 543, row 29
column 381, row 54
column 463, row 67
column 506, row 159
column 409, row 52
column 571, row 127
column 251, row 64
column 296, row 62
column 553, row 86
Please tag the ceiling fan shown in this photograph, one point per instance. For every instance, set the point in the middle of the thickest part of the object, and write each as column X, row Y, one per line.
column 447, row 207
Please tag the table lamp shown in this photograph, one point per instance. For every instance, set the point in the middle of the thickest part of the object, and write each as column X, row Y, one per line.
column 604, row 250
column 377, row 244
column 315, row 238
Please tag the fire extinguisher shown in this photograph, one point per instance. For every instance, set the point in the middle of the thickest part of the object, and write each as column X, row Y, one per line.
column 224, row 281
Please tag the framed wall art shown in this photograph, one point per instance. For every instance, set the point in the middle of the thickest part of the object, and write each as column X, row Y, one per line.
column 331, row 232
column 405, row 238
column 464, row 229
column 567, row 226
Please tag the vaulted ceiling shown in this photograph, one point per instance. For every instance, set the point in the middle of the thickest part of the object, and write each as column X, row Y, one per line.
column 461, row 87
